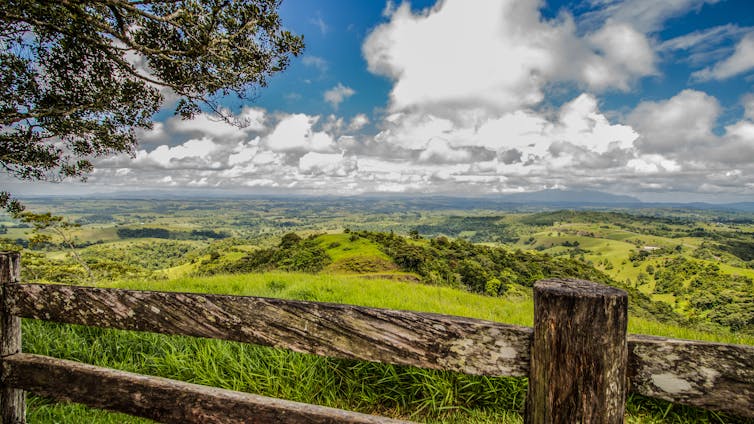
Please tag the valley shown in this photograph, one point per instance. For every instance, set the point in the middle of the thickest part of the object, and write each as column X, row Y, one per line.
column 689, row 273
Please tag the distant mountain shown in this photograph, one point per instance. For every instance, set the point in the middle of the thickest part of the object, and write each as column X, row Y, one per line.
column 570, row 196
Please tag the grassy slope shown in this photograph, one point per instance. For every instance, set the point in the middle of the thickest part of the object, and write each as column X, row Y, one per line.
column 392, row 294
column 421, row 395
column 615, row 245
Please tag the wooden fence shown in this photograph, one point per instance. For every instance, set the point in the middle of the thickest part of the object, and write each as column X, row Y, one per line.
column 579, row 360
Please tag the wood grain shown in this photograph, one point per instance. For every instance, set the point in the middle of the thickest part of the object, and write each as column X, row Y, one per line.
column 161, row 399
column 579, row 354
column 709, row 375
column 12, row 400
column 398, row 337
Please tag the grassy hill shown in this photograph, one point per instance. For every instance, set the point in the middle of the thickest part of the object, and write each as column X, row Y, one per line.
column 405, row 392
column 688, row 273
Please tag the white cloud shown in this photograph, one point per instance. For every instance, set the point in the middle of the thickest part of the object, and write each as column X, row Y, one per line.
column 652, row 164
column 252, row 119
column 296, row 133
column 501, row 61
column 681, row 129
column 413, row 131
column 740, row 62
column 244, row 152
column 743, row 130
column 581, row 123
column 333, row 164
column 669, row 145
column 748, row 102
column 675, row 125
column 625, row 54
column 490, row 63
column 338, row 94
column 524, row 134
column 703, row 39
column 237, row 127
column 358, row 122
column 316, row 62
column 389, row 9
column 261, row 182
column 438, row 150
column 191, row 153
column 644, row 15
column 320, row 24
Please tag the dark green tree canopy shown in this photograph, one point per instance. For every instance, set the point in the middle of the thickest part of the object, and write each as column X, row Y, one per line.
column 79, row 77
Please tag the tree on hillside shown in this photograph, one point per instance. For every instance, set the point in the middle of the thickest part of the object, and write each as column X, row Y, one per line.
column 77, row 78
column 48, row 228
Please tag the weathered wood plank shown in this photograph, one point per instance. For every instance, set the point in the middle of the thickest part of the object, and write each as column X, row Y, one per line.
column 578, row 354
column 162, row 399
column 12, row 401
column 398, row 337
column 709, row 375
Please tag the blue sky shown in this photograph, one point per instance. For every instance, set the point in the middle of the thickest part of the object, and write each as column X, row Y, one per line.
column 346, row 23
column 648, row 98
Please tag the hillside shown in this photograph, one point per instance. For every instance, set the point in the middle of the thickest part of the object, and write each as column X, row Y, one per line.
column 403, row 392
column 644, row 251
column 477, row 263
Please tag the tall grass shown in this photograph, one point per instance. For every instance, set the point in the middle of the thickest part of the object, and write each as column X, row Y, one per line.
column 407, row 392
column 403, row 392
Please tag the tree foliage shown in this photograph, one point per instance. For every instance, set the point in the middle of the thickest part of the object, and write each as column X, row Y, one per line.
column 78, row 78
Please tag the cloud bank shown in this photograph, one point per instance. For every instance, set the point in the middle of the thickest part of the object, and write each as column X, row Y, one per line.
column 467, row 114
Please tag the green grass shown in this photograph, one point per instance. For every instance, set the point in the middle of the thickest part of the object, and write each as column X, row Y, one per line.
column 339, row 246
column 359, row 256
column 402, row 392
column 354, row 290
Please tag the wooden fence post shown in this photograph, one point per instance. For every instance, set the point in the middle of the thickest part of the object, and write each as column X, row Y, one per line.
column 579, row 353
column 12, row 402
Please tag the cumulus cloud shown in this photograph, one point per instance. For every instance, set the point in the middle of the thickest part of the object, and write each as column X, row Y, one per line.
column 338, row 94
column 466, row 113
column 333, row 164
column 358, row 122
column 195, row 153
column 296, row 133
column 519, row 136
column 681, row 129
column 502, row 60
column 675, row 125
column 652, row 164
column 439, row 151
column 625, row 54
column 432, row 66
column 248, row 121
column 740, row 62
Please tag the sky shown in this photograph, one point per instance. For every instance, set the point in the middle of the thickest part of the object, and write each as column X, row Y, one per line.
column 653, row 99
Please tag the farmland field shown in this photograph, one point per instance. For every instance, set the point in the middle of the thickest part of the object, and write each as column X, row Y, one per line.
column 688, row 273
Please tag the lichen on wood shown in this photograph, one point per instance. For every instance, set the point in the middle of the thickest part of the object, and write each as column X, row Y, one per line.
column 709, row 375
column 419, row 339
column 162, row 399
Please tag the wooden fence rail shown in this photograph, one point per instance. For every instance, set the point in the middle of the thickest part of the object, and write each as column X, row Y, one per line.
column 578, row 358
